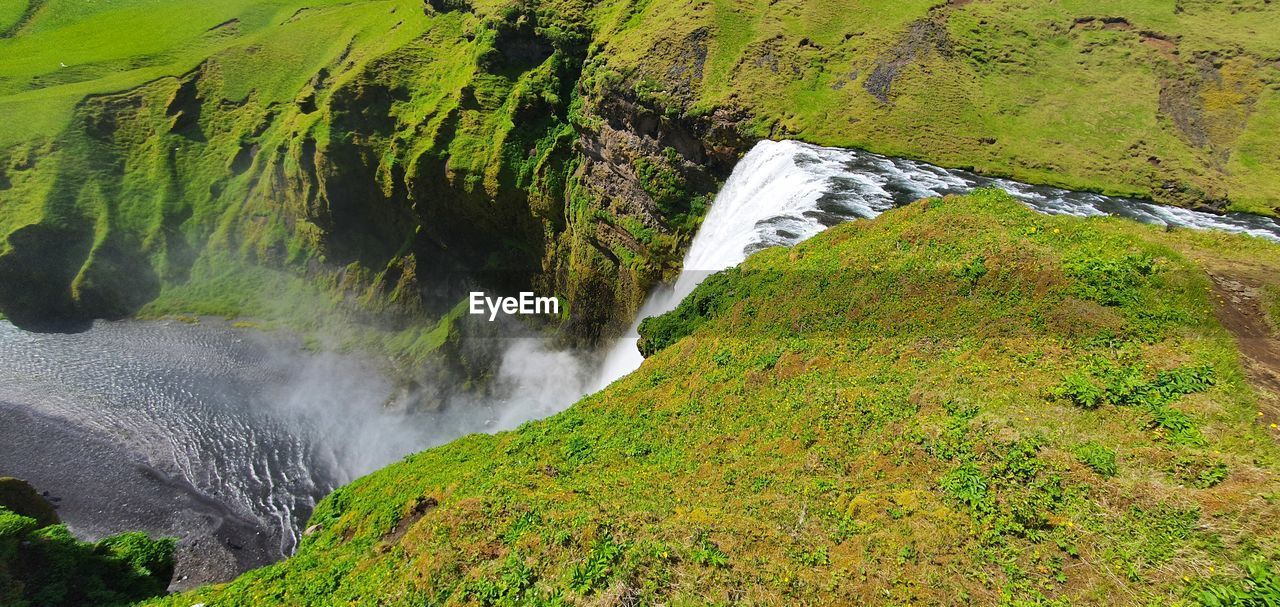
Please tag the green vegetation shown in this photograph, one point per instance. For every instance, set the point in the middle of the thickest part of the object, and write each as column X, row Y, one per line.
column 1097, row 457
column 1260, row 587
column 1006, row 86
column 66, row 50
column 42, row 565
column 370, row 147
column 859, row 419
column 1271, row 304
column 20, row 498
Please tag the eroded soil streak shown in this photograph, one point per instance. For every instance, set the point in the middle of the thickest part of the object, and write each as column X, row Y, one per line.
column 1239, row 309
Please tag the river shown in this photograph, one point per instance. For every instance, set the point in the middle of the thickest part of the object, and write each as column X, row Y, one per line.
column 784, row 192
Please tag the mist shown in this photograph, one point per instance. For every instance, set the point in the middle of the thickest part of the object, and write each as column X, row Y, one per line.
column 355, row 420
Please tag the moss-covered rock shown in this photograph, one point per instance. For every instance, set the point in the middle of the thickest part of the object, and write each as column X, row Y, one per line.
column 43, row 565
column 22, row 499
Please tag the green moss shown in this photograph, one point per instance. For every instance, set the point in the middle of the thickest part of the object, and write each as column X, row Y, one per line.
column 21, row 498
column 707, row 300
column 45, row 566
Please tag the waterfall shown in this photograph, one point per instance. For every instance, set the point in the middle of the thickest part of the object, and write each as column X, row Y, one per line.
column 783, row 192
column 765, row 202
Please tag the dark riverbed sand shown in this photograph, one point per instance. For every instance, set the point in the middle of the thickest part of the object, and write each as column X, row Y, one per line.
column 224, row 438
column 101, row 488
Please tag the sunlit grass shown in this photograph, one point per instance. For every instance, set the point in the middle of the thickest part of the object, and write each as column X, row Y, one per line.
column 867, row 417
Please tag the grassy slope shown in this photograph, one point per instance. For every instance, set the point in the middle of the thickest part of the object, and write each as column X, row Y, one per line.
column 268, row 52
column 264, row 58
column 1011, row 87
column 86, row 37
column 876, row 416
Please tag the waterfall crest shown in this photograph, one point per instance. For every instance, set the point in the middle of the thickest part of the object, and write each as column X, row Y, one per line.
column 784, row 192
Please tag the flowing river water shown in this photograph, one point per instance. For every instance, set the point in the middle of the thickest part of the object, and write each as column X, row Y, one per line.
column 227, row 437
column 783, row 192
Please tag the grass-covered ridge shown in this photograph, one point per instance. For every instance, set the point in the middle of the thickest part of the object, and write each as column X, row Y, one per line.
column 1175, row 100
column 958, row 402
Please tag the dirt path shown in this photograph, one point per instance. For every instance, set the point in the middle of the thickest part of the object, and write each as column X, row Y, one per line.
column 1240, row 311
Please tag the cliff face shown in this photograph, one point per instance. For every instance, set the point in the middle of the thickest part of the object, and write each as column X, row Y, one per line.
column 394, row 152
column 468, row 154
column 647, row 173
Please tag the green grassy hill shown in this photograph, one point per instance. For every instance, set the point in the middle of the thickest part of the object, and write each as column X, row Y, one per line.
column 1176, row 100
column 60, row 51
column 960, row 402
column 374, row 148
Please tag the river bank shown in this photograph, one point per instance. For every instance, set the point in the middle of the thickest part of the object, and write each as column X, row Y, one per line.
column 101, row 488
column 225, row 436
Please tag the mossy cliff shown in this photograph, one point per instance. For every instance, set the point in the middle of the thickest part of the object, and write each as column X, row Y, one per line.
column 391, row 152
column 42, row 565
column 424, row 150
column 959, row 402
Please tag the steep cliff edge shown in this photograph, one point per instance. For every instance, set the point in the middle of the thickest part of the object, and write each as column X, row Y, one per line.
column 395, row 152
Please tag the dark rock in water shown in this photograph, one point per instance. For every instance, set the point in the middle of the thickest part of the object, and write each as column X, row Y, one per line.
column 118, row 282
column 20, row 497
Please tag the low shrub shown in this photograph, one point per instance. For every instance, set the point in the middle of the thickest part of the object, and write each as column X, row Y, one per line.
column 1259, row 588
column 1097, row 457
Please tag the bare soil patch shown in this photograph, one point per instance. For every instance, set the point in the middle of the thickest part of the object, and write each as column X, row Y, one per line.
column 1240, row 311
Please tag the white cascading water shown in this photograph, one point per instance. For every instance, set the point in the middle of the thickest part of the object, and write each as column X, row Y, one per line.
column 783, row 192
column 764, row 203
